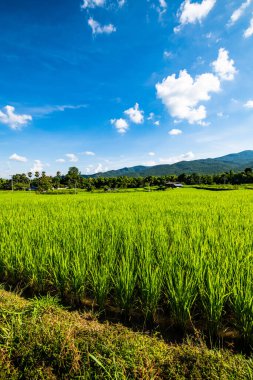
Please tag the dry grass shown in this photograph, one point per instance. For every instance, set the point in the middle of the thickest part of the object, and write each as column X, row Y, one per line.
column 40, row 340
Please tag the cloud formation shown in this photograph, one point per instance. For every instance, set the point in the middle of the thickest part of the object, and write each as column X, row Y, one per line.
column 12, row 119
column 182, row 95
column 237, row 14
column 174, row 159
column 190, row 13
column 120, row 124
column 175, row 132
column 60, row 160
column 92, row 4
column 135, row 114
column 72, row 157
column 162, row 8
column 249, row 104
column 87, row 153
column 97, row 28
column 16, row 157
column 249, row 32
column 121, row 3
column 223, row 66
column 38, row 166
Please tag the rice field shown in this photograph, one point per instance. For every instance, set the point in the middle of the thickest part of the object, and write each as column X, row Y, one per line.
column 184, row 254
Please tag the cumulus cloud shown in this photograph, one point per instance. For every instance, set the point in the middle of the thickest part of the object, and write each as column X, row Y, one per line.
column 175, row 132
column 190, row 13
column 72, row 157
column 182, row 95
column 237, row 14
column 174, row 159
column 12, row 119
column 60, row 160
column 38, row 166
column 157, row 123
column 120, row 124
column 135, row 114
column 100, row 168
column 87, row 153
column 97, row 28
column 249, row 104
column 223, row 66
column 16, row 157
column 151, row 153
column 249, row 32
column 92, row 3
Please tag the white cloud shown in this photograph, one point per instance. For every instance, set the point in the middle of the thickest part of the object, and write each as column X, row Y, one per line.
column 100, row 168
column 223, row 66
column 237, row 14
column 175, row 132
column 151, row 116
column 167, row 54
column 121, row 3
column 174, row 159
column 163, row 4
column 135, row 114
column 60, row 160
column 16, row 157
column 92, row 3
column 161, row 8
column 151, row 153
column 71, row 157
column 249, row 32
column 249, row 104
column 38, row 166
column 48, row 109
column 13, row 120
column 182, row 95
column 100, row 29
column 89, row 153
column 150, row 163
column 190, row 13
column 120, row 124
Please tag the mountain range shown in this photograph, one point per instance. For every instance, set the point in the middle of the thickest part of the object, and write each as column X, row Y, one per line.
column 235, row 161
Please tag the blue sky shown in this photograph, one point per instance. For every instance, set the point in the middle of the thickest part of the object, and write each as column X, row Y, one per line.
column 103, row 84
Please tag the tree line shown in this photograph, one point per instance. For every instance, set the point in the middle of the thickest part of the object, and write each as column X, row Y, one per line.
column 74, row 179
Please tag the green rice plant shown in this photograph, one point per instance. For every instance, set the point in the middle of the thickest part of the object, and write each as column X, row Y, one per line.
column 214, row 292
column 180, row 289
column 124, row 281
column 150, row 270
column 242, row 299
column 189, row 250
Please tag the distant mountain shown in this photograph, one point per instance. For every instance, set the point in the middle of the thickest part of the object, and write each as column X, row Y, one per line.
column 234, row 161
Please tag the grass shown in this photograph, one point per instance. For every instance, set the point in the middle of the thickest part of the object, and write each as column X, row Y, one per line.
column 41, row 340
column 183, row 255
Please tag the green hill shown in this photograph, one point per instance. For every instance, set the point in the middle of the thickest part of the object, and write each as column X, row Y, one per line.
column 234, row 161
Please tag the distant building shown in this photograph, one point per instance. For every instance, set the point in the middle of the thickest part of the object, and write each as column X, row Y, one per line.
column 32, row 188
column 174, row 185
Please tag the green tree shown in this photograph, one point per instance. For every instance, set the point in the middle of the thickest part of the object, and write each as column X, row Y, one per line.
column 73, row 177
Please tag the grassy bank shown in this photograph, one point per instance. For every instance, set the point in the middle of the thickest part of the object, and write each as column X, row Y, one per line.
column 40, row 340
